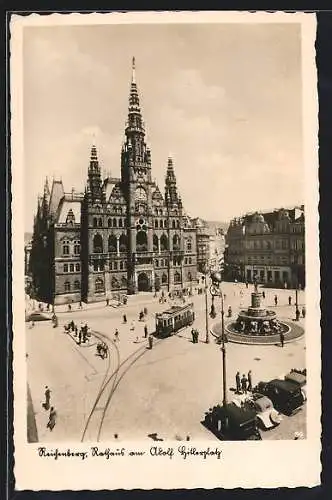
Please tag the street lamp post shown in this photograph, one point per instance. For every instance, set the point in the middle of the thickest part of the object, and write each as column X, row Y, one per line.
column 207, row 337
column 216, row 290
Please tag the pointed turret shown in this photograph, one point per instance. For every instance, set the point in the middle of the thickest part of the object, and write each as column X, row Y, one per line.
column 94, row 189
column 135, row 121
column 171, row 195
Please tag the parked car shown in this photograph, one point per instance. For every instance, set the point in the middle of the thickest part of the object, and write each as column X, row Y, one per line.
column 285, row 395
column 267, row 415
column 38, row 316
column 298, row 377
column 231, row 423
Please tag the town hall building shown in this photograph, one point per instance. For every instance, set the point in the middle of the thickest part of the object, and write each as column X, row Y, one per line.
column 120, row 235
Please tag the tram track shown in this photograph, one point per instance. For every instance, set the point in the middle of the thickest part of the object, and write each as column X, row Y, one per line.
column 114, row 378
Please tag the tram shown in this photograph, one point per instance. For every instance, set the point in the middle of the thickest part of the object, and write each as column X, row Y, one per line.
column 175, row 318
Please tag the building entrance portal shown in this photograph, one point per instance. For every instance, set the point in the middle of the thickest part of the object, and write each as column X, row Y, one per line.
column 143, row 284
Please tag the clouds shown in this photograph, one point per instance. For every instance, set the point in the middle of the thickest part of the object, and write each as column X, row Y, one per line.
column 224, row 99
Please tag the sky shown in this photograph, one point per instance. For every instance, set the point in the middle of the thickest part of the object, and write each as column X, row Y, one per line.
column 223, row 99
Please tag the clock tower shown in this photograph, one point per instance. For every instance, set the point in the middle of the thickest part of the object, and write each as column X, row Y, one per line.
column 137, row 187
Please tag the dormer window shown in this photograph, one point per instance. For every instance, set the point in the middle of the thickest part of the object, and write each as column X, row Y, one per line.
column 70, row 219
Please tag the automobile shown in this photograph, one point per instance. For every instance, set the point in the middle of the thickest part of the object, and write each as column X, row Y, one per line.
column 298, row 377
column 231, row 423
column 268, row 417
column 285, row 395
column 38, row 316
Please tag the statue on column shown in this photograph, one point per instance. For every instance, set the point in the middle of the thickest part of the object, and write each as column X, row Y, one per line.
column 256, row 284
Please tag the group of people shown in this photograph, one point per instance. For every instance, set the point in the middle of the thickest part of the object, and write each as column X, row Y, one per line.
column 52, row 412
column 102, row 350
column 244, row 383
column 81, row 332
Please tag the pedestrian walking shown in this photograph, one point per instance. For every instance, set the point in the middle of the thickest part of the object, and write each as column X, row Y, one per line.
column 52, row 419
column 145, row 331
column 124, row 317
column 69, row 308
column 46, row 405
column 289, row 300
column 132, row 327
column 238, row 382
column 275, row 300
column 80, row 305
column 107, row 302
column 145, row 310
column 150, row 341
column 76, row 330
column 116, row 335
column 80, row 335
column 193, row 335
column 247, row 284
column 196, row 336
column 263, row 294
column 244, row 382
column 303, row 312
column 282, row 339
column 249, row 381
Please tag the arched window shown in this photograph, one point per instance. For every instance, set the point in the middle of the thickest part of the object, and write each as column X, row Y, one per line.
column 156, row 223
column 164, row 278
column 112, row 243
column 95, row 222
column 121, row 265
column 176, row 242
column 77, row 285
column 65, row 247
column 119, row 211
column 189, row 276
column 100, row 222
column 99, row 285
column 156, row 263
column 109, row 222
column 173, row 224
column 98, row 244
column 155, row 243
column 165, row 223
column 177, row 277
column 161, row 223
column 120, row 223
column 67, row 286
column 123, row 243
column 177, row 223
column 115, row 282
column 77, row 267
column 189, row 260
column 114, row 222
column 65, row 268
column 189, row 245
column 164, row 243
column 77, row 248
column 71, row 268
column 141, row 241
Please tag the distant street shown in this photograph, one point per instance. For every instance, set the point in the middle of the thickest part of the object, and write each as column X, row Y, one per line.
column 162, row 392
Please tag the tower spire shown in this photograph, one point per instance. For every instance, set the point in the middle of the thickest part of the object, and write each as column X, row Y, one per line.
column 133, row 68
column 94, row 187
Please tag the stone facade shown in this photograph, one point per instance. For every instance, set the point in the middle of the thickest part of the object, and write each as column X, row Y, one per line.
column 121, row 234
column 269, row 246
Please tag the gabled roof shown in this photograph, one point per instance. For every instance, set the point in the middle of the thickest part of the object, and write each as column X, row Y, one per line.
column 66, row 205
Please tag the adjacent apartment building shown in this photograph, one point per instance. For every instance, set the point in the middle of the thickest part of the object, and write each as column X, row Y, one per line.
column 268, row 246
